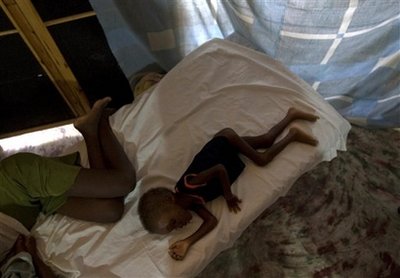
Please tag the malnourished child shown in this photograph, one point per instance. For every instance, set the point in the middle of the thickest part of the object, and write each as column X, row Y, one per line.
column 210, row 175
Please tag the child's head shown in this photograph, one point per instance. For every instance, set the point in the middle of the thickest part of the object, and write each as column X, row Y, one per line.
column 159, row 212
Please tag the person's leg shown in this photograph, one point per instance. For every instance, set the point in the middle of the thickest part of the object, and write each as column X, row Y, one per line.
column 248, row 145
column 88, row 126
column 266, row 140
column 113, row 153
column 262, row 158
column 97, row 194
column 94, row 210
column 112, row 174
column 294, row 135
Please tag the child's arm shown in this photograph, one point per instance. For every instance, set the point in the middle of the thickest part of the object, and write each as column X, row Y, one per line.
column 219, row 171
column 179, row 249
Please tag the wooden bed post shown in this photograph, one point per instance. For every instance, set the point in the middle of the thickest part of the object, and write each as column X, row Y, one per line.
column 30, row 26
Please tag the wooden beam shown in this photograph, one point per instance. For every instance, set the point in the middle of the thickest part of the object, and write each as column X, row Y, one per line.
column 56, row 21
column 8, row 32
column 69, row 18
column 35, row 34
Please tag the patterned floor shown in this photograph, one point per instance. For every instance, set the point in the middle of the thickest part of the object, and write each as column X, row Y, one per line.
column 339, row 220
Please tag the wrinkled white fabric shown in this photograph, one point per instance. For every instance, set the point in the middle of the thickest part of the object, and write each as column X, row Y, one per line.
column 221, row 84
column 20, row 265
column 10, row 228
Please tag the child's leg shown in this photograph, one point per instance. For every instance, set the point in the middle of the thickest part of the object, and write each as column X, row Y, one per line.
column 97, row 194
column 262, row 158
column 113, row 153
column 94, row 210
column 294, row 135
column 88, row 126
column 266, row 140
column 248, row 145
column 102, row 181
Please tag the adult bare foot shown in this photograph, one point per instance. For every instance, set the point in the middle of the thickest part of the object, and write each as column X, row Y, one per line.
column 88, row 123
column 302, row 137
column 297, row 114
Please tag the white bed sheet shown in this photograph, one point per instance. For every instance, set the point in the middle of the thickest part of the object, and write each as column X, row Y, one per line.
column 221, row 84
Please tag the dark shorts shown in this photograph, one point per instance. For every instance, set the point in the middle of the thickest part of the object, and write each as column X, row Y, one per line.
column 217, row 151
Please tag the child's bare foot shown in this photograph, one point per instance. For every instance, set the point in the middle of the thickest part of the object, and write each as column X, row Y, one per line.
column 88, row 123
column 302, row 137
column 297, row 114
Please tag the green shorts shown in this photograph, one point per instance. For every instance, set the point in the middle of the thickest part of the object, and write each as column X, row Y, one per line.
column 30, row 184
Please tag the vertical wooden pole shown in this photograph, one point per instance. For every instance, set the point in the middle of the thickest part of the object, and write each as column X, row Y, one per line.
column 35, row 34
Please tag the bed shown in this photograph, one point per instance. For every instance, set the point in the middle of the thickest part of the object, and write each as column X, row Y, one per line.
column 298, row 229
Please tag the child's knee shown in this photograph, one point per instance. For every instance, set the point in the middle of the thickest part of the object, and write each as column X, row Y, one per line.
column 226, row 132
column 129, row 185
column 263, row 159
column 113, row 210
column 127, row 182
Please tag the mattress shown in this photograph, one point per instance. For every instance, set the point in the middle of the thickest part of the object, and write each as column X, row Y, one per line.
column 220, row 84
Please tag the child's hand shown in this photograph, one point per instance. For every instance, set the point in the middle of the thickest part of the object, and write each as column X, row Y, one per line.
column 233, row 204
column 179, row 249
